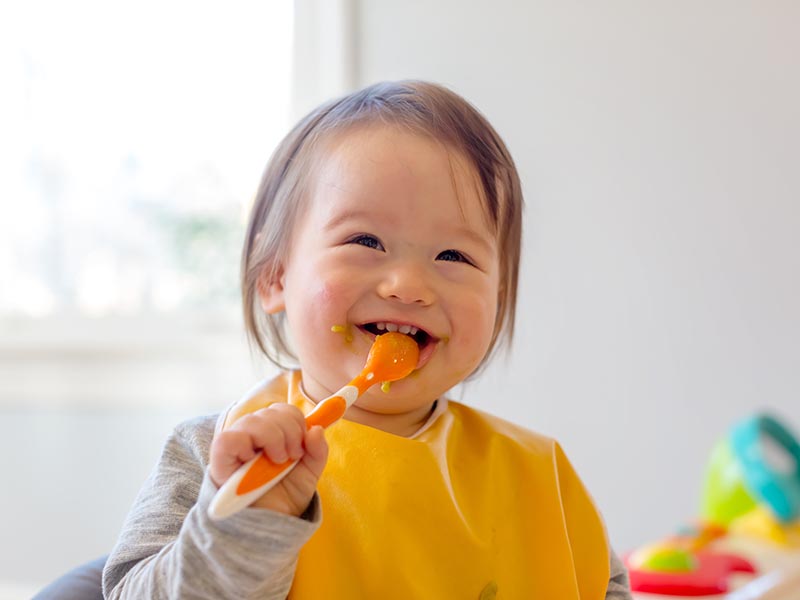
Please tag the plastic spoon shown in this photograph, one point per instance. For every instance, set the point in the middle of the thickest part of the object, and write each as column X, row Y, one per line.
column 392, row 356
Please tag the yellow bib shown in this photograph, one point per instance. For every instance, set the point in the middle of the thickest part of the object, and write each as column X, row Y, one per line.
column 473, row 508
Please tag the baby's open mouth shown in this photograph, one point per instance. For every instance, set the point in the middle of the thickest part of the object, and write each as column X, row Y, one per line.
column 426, row 341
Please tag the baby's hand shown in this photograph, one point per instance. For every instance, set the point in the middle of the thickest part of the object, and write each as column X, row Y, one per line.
column 280, row 431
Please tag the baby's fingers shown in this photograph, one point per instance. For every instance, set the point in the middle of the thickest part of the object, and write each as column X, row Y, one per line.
column 316, row 452
column 293, row 428
column 278, row 430
column 229, row 449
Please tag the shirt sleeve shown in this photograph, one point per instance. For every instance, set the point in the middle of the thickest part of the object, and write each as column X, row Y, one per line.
column 618, row 585
column 170, row 548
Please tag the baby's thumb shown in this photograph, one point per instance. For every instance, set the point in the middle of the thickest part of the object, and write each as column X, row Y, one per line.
column 316, row 451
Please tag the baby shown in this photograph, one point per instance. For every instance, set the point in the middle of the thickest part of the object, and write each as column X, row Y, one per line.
column 395, row 208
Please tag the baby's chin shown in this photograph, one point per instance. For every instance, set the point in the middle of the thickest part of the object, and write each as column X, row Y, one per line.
column 395, row 401
column 317, row 387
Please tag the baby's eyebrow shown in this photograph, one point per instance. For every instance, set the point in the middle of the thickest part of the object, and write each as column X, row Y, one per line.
column 343, row 217
column 474, row 236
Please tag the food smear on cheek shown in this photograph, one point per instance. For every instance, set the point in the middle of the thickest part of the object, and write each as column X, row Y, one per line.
column 345, row 330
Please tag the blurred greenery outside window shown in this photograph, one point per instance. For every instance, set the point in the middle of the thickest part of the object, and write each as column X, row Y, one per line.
column 134, row 138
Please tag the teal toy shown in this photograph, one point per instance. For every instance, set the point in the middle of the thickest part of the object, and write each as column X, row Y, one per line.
column 770, row 458
column 757, row 463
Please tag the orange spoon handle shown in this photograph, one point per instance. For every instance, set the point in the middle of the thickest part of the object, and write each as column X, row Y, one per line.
column 392, row 357
column 262, row 471
column 327, row 412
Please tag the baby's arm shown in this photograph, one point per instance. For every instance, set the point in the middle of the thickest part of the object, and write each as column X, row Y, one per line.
column 169, row 548
column 618, row 586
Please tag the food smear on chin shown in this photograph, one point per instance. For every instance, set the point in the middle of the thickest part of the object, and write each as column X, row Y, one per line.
column 385, row 386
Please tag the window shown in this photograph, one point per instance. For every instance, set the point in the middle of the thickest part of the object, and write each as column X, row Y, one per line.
column 133, row 139
column 134, row 136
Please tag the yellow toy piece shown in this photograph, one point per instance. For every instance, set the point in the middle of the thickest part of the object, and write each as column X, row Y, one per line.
column 472, row 508
column 760, row 523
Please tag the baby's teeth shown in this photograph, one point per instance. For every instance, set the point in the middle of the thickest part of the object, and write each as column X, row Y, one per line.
column 404, row 328
column 381, row 326
column 413, row 331
column 391, row 327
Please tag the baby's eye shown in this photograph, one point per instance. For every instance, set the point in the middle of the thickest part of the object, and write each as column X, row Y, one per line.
column 453, row 256
column 370, row 241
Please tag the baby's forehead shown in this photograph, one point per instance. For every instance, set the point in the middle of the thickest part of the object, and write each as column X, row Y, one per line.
column 367, row 161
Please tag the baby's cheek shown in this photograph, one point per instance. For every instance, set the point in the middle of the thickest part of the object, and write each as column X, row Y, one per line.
column 475, row 350
column 479, row 335
column 328, row 301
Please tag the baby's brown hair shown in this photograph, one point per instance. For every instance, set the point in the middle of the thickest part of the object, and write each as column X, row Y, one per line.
column 422, row 108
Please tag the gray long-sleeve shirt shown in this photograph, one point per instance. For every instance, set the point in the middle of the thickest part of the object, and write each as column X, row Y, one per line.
column 169, row 548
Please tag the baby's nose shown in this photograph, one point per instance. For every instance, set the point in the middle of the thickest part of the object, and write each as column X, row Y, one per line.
column 407, row 283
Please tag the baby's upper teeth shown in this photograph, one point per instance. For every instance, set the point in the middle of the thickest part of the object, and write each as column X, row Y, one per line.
column 407, row 329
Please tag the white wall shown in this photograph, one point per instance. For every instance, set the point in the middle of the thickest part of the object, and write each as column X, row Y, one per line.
column 659, row 147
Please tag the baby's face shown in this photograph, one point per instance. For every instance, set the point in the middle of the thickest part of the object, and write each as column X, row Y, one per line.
column 393, row 233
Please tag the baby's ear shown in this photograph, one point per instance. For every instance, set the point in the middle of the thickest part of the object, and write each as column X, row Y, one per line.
column 270, row 292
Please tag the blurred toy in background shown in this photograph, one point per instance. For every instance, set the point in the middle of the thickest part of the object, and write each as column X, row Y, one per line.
column 750, row 523
column 753, row 481
column 686, row 565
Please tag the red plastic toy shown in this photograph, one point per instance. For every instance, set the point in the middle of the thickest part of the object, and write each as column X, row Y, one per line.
column 709, row 577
